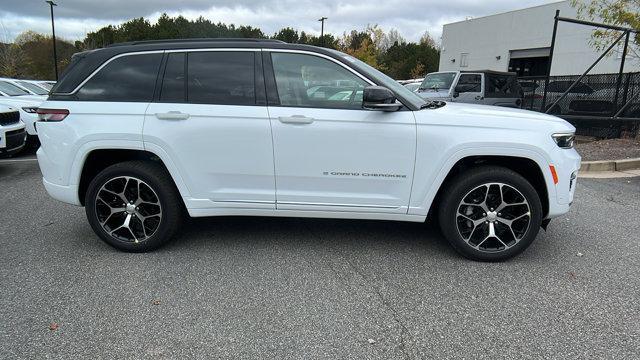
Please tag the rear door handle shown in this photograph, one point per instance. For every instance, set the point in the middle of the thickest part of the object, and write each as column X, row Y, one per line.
column 172, row 115
column 295, row 119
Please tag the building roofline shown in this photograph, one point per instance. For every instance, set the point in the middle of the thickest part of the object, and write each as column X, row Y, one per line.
column 505, row 12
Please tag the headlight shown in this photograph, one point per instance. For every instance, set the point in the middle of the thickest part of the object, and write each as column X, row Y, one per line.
column 564, row 140
column 30, row 109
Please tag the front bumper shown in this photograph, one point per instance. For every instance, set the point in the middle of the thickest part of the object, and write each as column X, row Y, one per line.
column 566, row 164
column 12, row 140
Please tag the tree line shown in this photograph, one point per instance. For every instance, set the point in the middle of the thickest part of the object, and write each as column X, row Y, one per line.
column 29, row 56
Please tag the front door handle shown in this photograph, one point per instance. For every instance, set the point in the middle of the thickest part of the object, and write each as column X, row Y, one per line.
column 295, row 119
column 479, row 97
column 172, row 115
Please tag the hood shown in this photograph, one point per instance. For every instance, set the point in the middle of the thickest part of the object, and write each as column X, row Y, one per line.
column 5, row 108
column 433, row 95
column 497, row 116
column 19, row 102
column 39, row 98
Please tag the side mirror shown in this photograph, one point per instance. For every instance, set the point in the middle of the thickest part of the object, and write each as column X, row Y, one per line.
column 455, row 93
column 379, row 98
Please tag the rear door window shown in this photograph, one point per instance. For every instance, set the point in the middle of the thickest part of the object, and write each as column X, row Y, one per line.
column 221, row 77
column 130, row 78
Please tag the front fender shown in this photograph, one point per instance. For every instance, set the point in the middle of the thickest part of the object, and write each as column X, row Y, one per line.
column 430, row 177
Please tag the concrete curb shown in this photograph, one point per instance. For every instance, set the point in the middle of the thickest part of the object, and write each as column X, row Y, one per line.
column 609, row 165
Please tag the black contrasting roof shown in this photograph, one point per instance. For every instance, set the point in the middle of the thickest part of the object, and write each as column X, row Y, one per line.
column 86, row 62
column 167, row 41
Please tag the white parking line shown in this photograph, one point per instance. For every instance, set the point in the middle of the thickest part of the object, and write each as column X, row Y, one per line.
column 7, row 161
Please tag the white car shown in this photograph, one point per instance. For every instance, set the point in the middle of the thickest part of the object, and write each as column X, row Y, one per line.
column 5, row 82
column 138, row 139
column 12, row 134
column 27, row 108
column 35, row 88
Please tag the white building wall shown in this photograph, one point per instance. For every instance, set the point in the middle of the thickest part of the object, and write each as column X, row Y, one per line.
column 486, row 38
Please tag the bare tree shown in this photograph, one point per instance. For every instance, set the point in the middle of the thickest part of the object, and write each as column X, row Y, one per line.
column 11, row 55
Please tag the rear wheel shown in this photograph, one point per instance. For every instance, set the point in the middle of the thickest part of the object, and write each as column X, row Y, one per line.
column 133, row 206
column 490, row 214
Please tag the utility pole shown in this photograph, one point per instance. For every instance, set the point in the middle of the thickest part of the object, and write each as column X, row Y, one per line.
column 322, row 19
column 53, row 30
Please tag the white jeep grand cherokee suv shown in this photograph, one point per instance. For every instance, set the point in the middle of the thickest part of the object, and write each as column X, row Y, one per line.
column 140, row 132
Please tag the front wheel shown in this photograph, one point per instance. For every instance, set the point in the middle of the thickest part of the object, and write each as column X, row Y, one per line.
column 133, row 206
column 490, row 214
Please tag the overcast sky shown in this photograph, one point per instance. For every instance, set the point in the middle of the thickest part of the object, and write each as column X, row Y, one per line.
column 74, row 18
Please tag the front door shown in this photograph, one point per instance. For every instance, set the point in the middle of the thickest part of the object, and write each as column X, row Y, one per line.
column 330, row 154
column 469, row 89
column 213, row 123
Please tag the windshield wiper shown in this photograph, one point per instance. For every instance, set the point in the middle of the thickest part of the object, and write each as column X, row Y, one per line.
column 433, row 104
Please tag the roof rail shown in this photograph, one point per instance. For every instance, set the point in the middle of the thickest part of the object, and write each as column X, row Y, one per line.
column 143, row 42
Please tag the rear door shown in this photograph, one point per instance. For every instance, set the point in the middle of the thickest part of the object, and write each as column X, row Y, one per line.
column 210, row 117
column 502, row 90
column 330, row 153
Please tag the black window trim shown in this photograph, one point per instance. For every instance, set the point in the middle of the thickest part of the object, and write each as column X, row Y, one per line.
column 258, row 79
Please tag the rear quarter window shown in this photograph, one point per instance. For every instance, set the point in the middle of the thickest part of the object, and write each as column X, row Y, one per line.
column 130, row 78
column 502, row 86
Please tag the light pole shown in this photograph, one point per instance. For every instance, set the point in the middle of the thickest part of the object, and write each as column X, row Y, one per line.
column 53, row 30
column 322, row 19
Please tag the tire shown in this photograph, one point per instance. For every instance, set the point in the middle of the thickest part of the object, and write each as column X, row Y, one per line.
column 154, row 216
column 506, row 230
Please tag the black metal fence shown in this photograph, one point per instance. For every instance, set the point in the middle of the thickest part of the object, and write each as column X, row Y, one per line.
column 596, row 105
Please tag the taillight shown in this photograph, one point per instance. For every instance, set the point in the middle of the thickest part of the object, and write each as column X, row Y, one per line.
column 52, row 114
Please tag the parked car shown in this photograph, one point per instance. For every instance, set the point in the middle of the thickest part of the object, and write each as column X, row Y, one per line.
column 32, row 87
column 36, row 93
column 9, row 90
column 412, row 86
column 27, row 106
column 555, row 89
column 12, row 134
column 44, row 84
column 143, row 132
column 410, row 81
column 478, row 87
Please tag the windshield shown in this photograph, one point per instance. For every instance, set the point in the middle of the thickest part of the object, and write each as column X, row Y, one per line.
column 11, row 89
column 412, row 86
column 46, row 85
column 386, row 81
column 33, row 88
column 438, row 81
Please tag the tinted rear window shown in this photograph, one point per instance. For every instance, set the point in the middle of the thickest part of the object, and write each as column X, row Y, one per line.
column 221, row 77
column 129, row 78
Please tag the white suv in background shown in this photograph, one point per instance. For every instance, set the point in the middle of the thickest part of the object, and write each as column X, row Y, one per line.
column 12, row 134
column 138, row 133
column 17, row 97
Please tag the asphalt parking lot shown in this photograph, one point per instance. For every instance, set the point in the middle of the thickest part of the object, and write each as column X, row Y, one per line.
column 241, row 288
